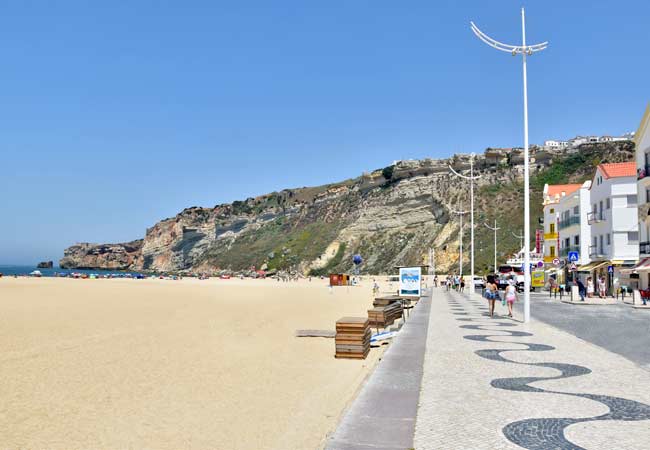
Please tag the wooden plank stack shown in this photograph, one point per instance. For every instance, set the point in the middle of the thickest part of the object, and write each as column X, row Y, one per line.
column 352, row 338
column 386, row 300
column 383, row 316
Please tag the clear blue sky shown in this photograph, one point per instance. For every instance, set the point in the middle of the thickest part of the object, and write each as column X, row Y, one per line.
column 114, row 115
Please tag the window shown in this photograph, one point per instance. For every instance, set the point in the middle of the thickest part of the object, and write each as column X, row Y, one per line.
column 601, row 207
column 552, row 211
column 567, row 242
column 576, row 210
column 595, row 210
column 553, row 250
column 647, row 195
column 551, row 228
column 576, row 240
column 607, row 203
column 632, row 237
column 631, row 200
column 609, row 239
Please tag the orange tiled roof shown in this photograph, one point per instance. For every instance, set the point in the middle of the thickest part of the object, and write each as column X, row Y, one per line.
column 615, row 170
column 557, row 189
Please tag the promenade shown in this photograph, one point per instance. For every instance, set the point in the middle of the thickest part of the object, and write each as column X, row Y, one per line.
column 457, row 379
column 496, row 383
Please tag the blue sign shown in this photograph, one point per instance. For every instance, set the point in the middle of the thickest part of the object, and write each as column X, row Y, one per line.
column 574, row 256
column 610, row 269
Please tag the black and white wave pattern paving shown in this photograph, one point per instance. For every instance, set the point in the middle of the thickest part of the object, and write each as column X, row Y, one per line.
column 543, row 433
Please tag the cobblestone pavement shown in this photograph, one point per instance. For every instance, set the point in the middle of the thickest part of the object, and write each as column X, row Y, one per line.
column 495, row 383
column 618, row 328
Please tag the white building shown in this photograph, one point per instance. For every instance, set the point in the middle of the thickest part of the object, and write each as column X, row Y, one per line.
column 613, row 220
column 574, row 231
column 552, row 195
column 642, row 141
column 558, row 145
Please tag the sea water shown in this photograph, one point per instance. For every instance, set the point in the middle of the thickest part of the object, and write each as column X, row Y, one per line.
column 10, row 270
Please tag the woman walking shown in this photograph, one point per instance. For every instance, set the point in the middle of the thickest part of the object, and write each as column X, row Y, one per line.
column 511, row 296
column 602, row 287
column 590, row 287
column 491, row 293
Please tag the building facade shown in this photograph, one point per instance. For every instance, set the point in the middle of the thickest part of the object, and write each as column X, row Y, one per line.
column 553, row 193
column 574, row 231
column 642, row 141
column 613, row 222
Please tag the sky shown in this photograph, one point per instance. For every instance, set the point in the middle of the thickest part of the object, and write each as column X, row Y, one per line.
column 115, row 115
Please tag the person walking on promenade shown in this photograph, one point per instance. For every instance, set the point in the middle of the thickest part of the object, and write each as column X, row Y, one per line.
column 590, row 287
column 602, row 287
column 491, row 292
column 462, row 284
column 510, row 296
column 435, row 280
column 581, row 290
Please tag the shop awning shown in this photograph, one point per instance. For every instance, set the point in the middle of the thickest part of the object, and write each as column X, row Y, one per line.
column 642, row 266
column 593, row 266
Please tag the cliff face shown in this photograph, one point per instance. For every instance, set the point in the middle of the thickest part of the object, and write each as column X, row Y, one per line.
column 390, row 217
column 102, row 256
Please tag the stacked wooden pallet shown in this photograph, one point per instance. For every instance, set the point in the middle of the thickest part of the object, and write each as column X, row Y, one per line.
column 383, row 316
column 385, row 301
column 352, row 338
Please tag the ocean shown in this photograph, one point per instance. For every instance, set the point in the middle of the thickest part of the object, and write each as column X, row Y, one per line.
column 11, row 270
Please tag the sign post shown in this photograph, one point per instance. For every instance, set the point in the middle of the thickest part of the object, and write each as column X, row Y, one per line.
column 410, row 281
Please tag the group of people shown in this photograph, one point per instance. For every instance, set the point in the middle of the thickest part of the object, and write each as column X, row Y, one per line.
column 590, row 288
column 491, row 293
column 455, row 282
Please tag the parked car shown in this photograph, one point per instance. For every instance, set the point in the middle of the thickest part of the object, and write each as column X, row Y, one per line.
column 479, row 282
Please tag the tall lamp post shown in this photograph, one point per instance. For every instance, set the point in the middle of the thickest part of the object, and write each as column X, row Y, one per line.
column 471, row 179
column 524, row 50
column 520, row 237
column 495, row 229
column 460, row 240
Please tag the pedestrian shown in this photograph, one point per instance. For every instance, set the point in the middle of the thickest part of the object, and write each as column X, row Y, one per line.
column 510, row 297
column 491, row 292
column 581, row 290
column 435, row 280
column 602, row 287
column 462, row 284
column 590, row 287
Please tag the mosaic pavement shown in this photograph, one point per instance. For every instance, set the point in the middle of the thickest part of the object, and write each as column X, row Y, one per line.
column 495, row 383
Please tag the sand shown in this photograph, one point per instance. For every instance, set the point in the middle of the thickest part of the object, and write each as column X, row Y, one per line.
column 173, row 364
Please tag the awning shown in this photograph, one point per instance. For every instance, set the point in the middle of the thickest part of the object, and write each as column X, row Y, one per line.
column 593, row 266
column 642, row 266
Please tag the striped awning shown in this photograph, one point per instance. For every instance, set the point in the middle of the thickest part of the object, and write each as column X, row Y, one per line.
column 642, row 266
column 593, row 266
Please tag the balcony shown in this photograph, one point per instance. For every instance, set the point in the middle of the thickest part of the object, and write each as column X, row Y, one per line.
column 573, row 220
column 596, row 252
column 595, row 217
column 564, row 252
column 550, row 236
column 644, row 248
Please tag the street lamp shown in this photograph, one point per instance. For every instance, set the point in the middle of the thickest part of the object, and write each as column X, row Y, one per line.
column 460, row 239
column 524, row 50
column 495, row 229
column 471, row 179
column 520, row 237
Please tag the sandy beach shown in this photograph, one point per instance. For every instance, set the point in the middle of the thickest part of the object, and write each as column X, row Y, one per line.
column 173, row 364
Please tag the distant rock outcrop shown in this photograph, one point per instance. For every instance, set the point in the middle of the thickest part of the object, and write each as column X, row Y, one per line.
column 102, row 256
column 390, row 216
column 45, row 265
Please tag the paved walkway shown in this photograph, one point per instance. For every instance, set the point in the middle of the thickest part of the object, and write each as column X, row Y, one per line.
column 500, row 384
column 383, row 414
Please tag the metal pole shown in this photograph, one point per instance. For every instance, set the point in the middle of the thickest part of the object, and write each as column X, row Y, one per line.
column 460, row 239
column 525, row 50
column 526, row 180
column 471, row 215
column 495, row 242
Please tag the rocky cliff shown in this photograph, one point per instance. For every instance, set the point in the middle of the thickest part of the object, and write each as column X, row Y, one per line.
column 390, row 216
